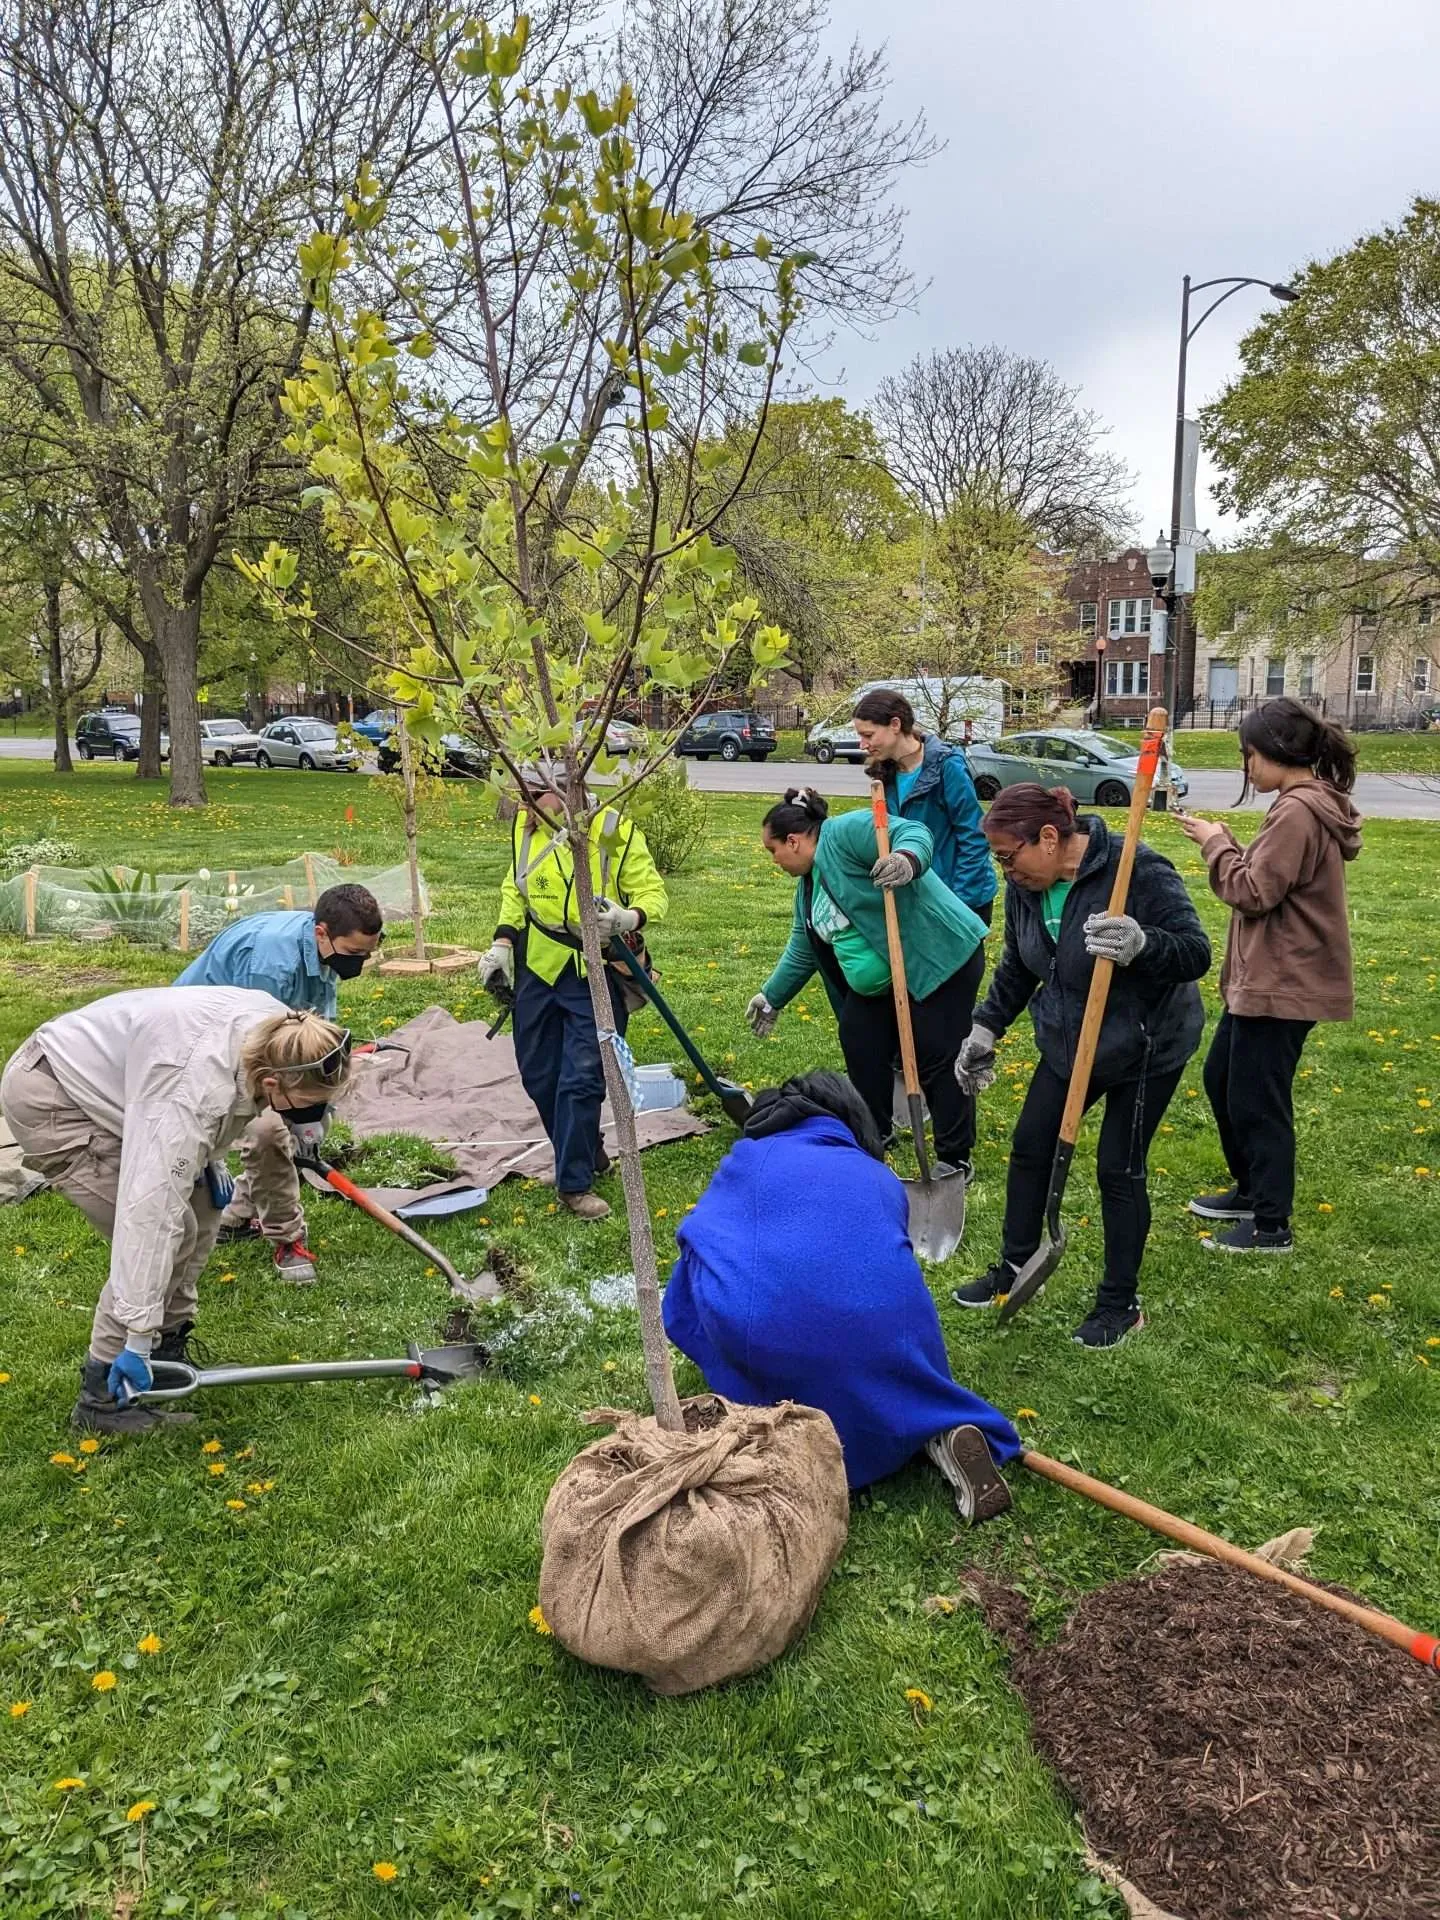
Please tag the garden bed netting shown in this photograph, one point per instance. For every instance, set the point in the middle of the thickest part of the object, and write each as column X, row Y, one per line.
column 181, row 910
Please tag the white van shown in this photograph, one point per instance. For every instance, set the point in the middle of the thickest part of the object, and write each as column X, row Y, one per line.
column 969, row 703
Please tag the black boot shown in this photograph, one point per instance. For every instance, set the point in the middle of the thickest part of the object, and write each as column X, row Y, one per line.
column 98, row 1411
column 179, row 1343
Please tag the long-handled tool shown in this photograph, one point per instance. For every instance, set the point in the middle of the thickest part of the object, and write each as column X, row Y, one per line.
column 1046, row 1258
column 736, row 1102
column 435, row 1367
column 1424, row 1647
column 483, row 1287
column 937, row 1199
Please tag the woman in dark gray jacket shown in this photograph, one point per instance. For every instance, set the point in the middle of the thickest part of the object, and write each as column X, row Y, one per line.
column 1060, row 868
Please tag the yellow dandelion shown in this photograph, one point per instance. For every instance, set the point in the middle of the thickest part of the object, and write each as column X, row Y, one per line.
column 662, row 1213
column 139, row 1810
column 70, row 1784
column 535, row 1400
column 1424, row 1103
column 4, row 1379
column 246, row 1453
column 537, row 1620
column 216, row 1467
column 1337, row 1293
column 1420, row 1360
column 254, row 1486
column 212, row 1446
column 610, row 1366
column 385, row 1870
column 19, row 1253
column 104, row 1681
column 152, row 1643
column 1324, row 1207
column 226, row 1278
column 1376, row 1300
column 919, row 1699
column 19, row 1709
column 1422, row 1173
column 1433, row 1341
column 89, row 1446
column 63, row 1460
column 267, row 1486
column 236, row 1506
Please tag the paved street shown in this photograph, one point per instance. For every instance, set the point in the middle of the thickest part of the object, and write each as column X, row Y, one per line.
column 1383, row 796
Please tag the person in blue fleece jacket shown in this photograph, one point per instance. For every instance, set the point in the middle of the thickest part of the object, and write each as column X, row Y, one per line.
column 796, row 1281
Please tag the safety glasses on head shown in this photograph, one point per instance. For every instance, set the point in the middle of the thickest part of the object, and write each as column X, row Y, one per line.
column 328, row 1069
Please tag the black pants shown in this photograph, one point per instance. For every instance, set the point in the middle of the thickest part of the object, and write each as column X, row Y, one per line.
column 1133, row 1110
column 558, row 1053
column 1249, row 1077
column 869, row 1038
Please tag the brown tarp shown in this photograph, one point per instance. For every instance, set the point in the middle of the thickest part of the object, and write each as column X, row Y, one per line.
column 454, row 1085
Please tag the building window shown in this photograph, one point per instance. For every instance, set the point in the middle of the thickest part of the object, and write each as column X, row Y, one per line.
column 1421, row 677
column 1089, row 610
column 1126, row 679
column 1307, row 677
column 1364, row 673
column 1274, row 678
column 1008, row 653
column 1424, row 612
column 1129, row 616
column 1042, row 653
column 1369, row 619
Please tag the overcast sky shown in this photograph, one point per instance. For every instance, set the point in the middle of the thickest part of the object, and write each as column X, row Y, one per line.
column 1097, row 152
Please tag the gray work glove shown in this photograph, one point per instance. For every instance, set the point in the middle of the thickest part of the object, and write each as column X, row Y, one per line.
column 761, row 1016
column 893, row 870
column 975, row 1062
column 1114, row 936
column 612, row 919
column 497, row 963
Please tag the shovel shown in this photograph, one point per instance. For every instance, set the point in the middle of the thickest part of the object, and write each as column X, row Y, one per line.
column 1047, row 1256
column 937, row 1198
column 483, row 1287
column 736, row 1102
column 434, row 1368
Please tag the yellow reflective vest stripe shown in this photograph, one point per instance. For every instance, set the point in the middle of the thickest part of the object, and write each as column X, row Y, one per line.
column 539, row 890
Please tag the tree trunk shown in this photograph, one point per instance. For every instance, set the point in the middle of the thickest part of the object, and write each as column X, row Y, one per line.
column 412, row 845
column 658, row 1373
column 58, row 695
column 179, row 643
column 152, row 707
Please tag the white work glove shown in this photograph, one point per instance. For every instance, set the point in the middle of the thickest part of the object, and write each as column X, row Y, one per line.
column 975, row 1062
column 893, row 870
column 1114, row 936
column 612, row 919
column 497, row 963
column 762, row 1016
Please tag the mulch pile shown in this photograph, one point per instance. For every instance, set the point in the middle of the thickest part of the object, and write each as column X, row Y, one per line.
column 1238, row 1753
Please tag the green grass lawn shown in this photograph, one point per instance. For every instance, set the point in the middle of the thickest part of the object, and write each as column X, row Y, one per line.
column 347, row 1674
column 1375, row 752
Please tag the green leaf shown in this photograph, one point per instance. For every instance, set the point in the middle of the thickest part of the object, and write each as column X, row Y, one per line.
column 754, row 353
column 422, row 346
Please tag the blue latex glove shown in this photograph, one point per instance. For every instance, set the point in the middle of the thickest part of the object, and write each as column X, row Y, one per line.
column 129, row 1374
column 219, row 1185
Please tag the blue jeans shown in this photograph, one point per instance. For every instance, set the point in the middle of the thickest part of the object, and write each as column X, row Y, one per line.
column 558, row 1053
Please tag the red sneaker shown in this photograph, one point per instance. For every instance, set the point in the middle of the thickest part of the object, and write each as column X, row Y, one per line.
column 295, row 1264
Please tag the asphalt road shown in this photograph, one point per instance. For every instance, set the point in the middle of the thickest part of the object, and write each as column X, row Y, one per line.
column 1380, row 795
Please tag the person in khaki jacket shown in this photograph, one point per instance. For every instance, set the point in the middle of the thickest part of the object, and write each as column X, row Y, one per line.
column 128, row 1106
column 1287, row 960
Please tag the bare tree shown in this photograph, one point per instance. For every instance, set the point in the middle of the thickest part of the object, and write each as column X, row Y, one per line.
column 1003, row 432
column 742, row 117
column 159, row 160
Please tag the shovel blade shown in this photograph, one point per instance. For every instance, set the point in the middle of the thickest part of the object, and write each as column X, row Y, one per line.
column 937, row 1213
column 447, row 1366
column 1033, row 1275
column 736, row 1103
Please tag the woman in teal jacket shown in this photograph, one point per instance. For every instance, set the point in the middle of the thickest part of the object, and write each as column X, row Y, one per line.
column 928, row 780
column 839, row 933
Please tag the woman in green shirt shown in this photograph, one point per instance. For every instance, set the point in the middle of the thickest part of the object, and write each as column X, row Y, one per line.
column 839, row 932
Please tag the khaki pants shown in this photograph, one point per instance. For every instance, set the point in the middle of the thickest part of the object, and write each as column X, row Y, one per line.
column 268, row 1189
column 82, row 1159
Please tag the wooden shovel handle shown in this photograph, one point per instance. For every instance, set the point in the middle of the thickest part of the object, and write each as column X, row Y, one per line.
column 880, row 813
column 1423, row 1647
column 1151, row 743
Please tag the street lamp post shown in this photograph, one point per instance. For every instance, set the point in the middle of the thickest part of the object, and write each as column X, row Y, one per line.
column 1175, row 600
column 1100, row 645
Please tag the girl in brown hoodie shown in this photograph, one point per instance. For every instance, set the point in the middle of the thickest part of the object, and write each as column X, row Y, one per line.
column 1287, row 959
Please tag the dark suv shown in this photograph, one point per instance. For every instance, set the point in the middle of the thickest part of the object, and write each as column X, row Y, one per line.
column 732, row 734
column 112, row 736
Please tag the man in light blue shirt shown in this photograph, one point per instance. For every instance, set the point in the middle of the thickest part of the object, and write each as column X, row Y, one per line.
column 299, row 958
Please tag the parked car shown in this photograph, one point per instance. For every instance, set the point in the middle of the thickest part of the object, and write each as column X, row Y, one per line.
column 375, row 727
column 223, row 742
column 112, row 735
column 1098, row 768
column 623, row 736
column 461, row 760
column 980, row 702
column 731, row 735
column 304, row 743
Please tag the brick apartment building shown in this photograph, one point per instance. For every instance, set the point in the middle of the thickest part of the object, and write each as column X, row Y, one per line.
column 1104, row 637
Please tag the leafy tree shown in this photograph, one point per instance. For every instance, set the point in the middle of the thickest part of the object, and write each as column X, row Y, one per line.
column 545, row 547
column 1004, row 434
column 1329, row 442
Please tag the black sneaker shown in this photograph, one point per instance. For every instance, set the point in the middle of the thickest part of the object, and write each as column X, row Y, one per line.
column 1230, row 1205
column 989, row 1290
column 1107, row 1327
column 964, row 1459
column 237, row 1229
column 98, row 1411
column 1246, row 1237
